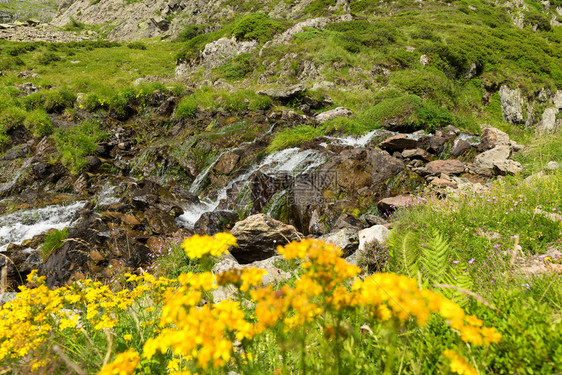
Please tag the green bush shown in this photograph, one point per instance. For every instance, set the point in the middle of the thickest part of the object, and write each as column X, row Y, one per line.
column 187, row 107
column 189, row 32
column 9, row 63
column 137, row 45
column 48, row 57
column 256, row 26
column 260, row 102
column 39, row 123
column 11, row 117
column 74, row 144
column 54, row 100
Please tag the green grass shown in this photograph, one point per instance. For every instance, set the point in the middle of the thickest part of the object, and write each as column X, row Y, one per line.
column 52, row 242
column 76, row 143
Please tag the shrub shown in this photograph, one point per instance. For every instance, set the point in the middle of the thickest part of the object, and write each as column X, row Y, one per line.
column 39, row 123
column 11, row 117
column 137, row 45
column 187, row 107
column 54, row 100
column 48, row 57
column 74, row 144
column 189, row 32
column 260, row 102
column 256, row 26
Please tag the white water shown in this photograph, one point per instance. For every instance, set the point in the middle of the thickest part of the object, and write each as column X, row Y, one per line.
column 22, row 225
column 291, row 160
column 361, row 141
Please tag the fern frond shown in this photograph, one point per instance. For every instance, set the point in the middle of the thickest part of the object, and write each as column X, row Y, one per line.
column 404, row 252
column 435, row 258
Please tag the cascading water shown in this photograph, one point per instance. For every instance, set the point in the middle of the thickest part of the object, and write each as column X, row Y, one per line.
column 292, row 160
column 22, row 225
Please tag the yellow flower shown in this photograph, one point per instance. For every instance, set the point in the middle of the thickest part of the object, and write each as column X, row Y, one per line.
column 197, row 246
column 458, row 364
column 124, row 364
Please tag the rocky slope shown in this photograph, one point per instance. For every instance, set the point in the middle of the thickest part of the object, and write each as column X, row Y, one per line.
column 316, row 120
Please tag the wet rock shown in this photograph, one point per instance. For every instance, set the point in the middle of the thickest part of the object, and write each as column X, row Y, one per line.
column 460, row 147
column 390, row 204
column 451, row 166
column 168, row 107
column 227, row 163
column 49, row 172
column 437, row 144
column 334, row 113
column 398, row 142
column 346, row 239
column 284, row 95
column 16, row 152
column 160, row 222
column 214, row 222
column 492, row 137
column 81, row 184
column 348, row 221
column 258, row 237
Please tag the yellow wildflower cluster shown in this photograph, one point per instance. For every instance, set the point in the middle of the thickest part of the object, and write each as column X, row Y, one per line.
column 197, row 246
column 458, row 364
column 32, row 320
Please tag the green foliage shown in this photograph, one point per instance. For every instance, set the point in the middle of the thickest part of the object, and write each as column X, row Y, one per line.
column 291, row 137
column 39, row 123
column 189, row 32
column 257, row 26
column 47, row 57
column 187, row 107
column 11, row 117
column 237, row 68
column 319, row 6
column 52, row 242
column 54, row 100
column 74, row 144
column 137, row 45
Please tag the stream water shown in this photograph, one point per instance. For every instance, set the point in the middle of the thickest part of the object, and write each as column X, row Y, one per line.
column 21, row 225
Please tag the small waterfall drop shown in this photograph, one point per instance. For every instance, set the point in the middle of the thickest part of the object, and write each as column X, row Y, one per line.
column 22, row 225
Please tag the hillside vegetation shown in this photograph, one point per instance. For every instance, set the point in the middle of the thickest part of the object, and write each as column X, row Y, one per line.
column 468, row 280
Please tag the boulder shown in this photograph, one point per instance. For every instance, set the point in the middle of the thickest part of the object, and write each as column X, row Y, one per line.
column 284, row 95
column 375, row 234
column 549, row 123
column 460, row 147
column 416, row 153
column 214, row 222
column 487, row 159
column 398, row 142
column 392, row 203
column 220, row 51
column 450, row 166
column 346, row 239
column 492, row 137
column 511, row 104
column 160, row 222
column 334, row 113
column 258, row 237
column 49, row 172
column 443, row 183
column 507, row 167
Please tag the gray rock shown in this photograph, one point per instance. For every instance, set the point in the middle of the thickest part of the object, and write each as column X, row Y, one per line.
column 460, row 147
column 507, row 167
column 511, row 104
column 549, row 123
column 557, row 100
column 220, row 51
column 284, row 95
column 375, row 234
column 424, row 60
column 346, row 239
column 334, row 113
column 487, row 159
column 258, row 237
column 416, row 153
